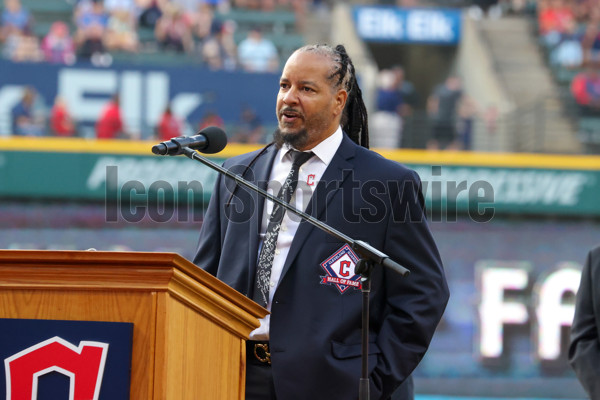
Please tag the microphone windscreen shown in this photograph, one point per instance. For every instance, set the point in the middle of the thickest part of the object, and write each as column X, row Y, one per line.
column 216, row 139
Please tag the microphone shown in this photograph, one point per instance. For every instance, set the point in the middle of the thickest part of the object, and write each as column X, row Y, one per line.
column 209, row 140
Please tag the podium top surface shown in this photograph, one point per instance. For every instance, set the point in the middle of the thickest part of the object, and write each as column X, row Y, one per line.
column 126, row 271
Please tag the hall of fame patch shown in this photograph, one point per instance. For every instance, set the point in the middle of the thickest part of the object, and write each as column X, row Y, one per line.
column 340, row 270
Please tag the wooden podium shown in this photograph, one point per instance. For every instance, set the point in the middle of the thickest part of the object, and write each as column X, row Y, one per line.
column 189, row 328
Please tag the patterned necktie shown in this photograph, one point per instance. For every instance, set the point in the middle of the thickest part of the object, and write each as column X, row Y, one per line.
column 267, row 252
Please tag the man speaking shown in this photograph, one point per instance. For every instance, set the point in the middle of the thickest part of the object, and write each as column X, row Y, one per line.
column 309, row 347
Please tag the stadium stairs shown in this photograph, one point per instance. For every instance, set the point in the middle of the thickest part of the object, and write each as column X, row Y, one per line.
column 539, row 122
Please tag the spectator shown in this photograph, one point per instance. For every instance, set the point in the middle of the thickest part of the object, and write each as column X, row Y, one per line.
column 58, row 46
column 28, row 115
column 568, row 53
column 188, row 7
column 250, row 128
column 409, row 93
column 257, row 54
column 585, row 88
column 203, row 21
column 211, row 118
column 590, row 43
column 110, row 123
column 169, row 125
column 173, row 30
column 300, row 11
column 112, row 6
column 387, row 120
column 150, row 14
column 410, row 99
column 15, row 31
column 442, row 107
column 467, row 111
column 553, row 18
column 582, row 10
column 490, row 119
column 589, row 14
column 121, row 32
column 22, row 47
column 219, row 51
column 61, row 123
column 92, row 22
column 14, row 20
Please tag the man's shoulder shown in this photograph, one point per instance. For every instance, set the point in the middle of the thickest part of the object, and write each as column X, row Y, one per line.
column 595, row 256
column 374, row 163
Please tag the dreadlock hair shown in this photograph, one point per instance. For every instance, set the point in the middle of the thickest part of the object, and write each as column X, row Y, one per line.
column 354, row 117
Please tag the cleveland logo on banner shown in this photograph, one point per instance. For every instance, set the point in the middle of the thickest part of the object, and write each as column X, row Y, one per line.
column 83, row 365
column 46, row 359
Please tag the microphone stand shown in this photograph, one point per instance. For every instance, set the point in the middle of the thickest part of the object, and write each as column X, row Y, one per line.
column 369, row 257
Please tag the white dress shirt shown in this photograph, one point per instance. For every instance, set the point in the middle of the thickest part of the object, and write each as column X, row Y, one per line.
column 309, row 175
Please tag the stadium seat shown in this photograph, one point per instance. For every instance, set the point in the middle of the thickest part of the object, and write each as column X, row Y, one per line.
column 48, row 6
column 155, row 58
column 275, row 21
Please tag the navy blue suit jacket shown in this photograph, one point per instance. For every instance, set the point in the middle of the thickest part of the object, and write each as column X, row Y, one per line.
column 584, row 349
column 315, row 332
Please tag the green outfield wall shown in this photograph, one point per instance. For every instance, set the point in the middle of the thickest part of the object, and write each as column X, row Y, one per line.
column 86, row 170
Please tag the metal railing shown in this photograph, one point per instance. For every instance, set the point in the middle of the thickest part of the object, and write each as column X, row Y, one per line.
column 548, row 124
column 551, row 124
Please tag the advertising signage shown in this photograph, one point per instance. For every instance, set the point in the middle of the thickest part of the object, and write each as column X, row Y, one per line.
column 144, row 92
column 415, row 26
column 82, row 170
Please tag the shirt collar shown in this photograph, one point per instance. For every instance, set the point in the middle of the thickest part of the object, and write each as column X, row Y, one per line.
column 325, row 150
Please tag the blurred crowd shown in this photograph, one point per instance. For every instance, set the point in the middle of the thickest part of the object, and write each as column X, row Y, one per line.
column 570, row 31
column 447, row 123
column 31, row 117
column 97, row 29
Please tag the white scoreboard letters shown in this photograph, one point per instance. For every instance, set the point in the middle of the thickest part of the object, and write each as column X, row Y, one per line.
column 508, row 296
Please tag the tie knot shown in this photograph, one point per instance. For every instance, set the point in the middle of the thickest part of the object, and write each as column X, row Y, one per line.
column 299, row 157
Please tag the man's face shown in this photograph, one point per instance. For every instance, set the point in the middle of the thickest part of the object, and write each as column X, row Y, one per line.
column 308, row 108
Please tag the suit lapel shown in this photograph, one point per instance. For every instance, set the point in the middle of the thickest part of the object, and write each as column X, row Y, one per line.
column 336, row 173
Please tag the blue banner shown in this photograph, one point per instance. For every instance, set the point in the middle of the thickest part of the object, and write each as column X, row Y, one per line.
column 414, row 25
column 52, row 359
column 144, row 91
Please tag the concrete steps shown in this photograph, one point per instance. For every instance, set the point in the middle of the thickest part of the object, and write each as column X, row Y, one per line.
column 317, row 26
column 540, row 123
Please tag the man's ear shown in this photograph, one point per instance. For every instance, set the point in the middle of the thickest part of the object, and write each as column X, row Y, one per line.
column 340, row 101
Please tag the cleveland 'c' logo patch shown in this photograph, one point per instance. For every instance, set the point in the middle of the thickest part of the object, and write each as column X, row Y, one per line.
column 340, row 270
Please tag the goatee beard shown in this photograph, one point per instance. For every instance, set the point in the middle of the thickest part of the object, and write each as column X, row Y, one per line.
column 296, row 140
